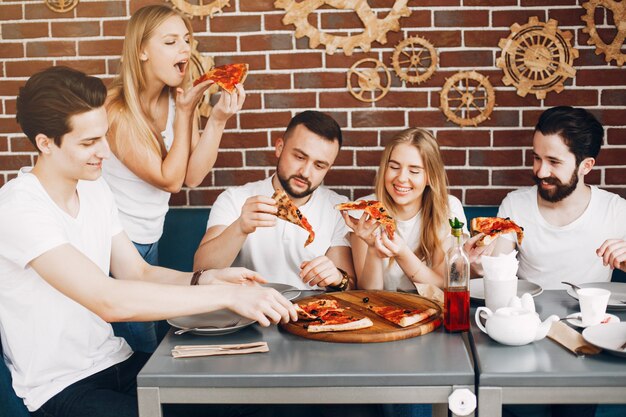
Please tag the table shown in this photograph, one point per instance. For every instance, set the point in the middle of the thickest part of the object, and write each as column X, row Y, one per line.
column 544, row 372
column 425, row 369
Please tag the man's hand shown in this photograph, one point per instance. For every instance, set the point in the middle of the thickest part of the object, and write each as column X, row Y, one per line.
column 320, row 271
column 264, row 305
column 257, row 211
column 233, row 276
column 613, row 253
column 474, row 252
column 365, row 227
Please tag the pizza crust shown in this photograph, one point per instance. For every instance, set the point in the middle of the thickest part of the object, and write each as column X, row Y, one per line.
column 363, row 323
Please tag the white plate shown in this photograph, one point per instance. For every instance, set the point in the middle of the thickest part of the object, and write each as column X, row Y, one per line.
column 212, row 324
column 289, row 291
column 607, row 336
column 477, row 288
column 575, row 319
column 618, row 292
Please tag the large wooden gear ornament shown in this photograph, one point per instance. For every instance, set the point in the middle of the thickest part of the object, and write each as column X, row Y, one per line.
column 414, row 60
column 374, row 29
column 198, row 8
column 199, row 65
column 365, row 82
column 537, row 58
column 61, row 6
column 613, row 50
column 467, row 98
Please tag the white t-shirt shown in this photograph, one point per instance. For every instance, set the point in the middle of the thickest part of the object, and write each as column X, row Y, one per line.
column 550, row 254
column 49, row 340
column 394, row 278
column 277, row 252
column 142, row 206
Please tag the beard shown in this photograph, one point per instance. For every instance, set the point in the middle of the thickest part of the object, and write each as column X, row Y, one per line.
column 561, row 190
column 284, row 182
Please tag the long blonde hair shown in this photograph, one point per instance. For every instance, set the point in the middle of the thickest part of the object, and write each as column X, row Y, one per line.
column 435, row 208
column 129, row 128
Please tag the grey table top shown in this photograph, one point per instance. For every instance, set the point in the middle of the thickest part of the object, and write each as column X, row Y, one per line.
column 545, row 363
column 434, row 359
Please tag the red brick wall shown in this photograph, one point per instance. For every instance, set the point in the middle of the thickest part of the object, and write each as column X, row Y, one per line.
column 286, row 77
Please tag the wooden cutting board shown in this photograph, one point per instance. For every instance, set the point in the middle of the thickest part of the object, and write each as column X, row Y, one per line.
column 382, row 330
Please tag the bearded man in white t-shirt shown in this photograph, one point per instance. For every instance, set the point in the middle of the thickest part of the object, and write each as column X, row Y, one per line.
column 243, row 229
column 572, row 231
column 60, row 236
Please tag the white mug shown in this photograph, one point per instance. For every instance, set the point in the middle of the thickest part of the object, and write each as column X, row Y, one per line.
column 498, row 292
column 593, row 302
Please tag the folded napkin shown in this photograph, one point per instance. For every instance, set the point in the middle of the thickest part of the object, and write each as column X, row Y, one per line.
column 501, row 267
column 188, row 351
column 571, row 340
column 430, row 291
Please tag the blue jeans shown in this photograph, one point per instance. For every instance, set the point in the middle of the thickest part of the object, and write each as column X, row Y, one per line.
column 143, row 336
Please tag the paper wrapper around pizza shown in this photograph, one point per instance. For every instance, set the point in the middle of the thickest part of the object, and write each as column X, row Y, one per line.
column 430, row 291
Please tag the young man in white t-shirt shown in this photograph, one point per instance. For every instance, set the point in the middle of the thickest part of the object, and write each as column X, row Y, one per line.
column 243, row 229
column 59, row 238
column 572, row 231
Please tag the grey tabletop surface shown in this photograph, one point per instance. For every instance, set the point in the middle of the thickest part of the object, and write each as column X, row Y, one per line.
column 435, row 359
column 544, row 363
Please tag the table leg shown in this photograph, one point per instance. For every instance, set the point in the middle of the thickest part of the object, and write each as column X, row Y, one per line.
column 489, row 402
column 149, row 402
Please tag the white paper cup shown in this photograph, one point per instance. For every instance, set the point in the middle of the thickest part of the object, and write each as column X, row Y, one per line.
column 498, row 292
column 593, row 303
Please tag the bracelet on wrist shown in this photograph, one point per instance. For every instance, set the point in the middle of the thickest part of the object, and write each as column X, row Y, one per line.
column 343, row 284
column 195, row 278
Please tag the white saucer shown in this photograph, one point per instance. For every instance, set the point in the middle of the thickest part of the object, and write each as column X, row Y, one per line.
column 575, row 319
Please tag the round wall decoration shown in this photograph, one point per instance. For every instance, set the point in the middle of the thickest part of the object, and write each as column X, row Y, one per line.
column 365, row 82
column 61, row 6
column 613, row 50
column 537, row 58
column 414, row 60
column 201, row 10
column 374, row 29
column 467, row 98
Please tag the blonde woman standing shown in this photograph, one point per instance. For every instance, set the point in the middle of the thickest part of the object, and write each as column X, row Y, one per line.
column 153, row 129
column 412, row 185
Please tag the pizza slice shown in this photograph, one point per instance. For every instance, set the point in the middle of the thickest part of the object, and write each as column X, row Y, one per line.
column 317, row 308
column 338, row 321
column 493, row 227
column 288, row 211
column 226, row 76
column 403, row 317
column 376, row 210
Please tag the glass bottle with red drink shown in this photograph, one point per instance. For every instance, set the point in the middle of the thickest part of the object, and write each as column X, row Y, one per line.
column 456, row 285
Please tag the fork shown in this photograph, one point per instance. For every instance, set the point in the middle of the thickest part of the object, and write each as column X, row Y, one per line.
column 195, row 329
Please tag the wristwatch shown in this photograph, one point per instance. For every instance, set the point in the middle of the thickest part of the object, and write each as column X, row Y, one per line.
column 345, row 281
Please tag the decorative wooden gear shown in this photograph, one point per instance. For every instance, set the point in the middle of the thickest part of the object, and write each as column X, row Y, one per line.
column 368, row 80
column 61, row 6
column 199, row 65
column 200, row 9
column 612, row 50
column 374, row 29
column 537, row 58
column 421, row 57
column 467, row 98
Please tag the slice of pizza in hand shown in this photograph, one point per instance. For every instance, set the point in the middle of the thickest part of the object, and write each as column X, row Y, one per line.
column 226, row 76
column 376, row 210
column 493, row 227
column 403, row 317
column 288, row 211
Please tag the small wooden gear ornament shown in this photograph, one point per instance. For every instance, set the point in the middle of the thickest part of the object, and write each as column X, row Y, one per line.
column 199, row 8
column 613, row 50
column 374, row 29
column 537, row 58
column 414, row 60
column 199, row 65
column 468, row 98
column 366, row 74
column 61, row 6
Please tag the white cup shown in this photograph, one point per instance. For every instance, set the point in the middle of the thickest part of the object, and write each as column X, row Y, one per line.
column 593, row 303
column 498, row 292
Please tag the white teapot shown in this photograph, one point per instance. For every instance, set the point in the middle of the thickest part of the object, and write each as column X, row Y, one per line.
column 515, row 325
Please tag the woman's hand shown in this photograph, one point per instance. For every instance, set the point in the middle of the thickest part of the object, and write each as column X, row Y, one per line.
column 229, row 104
column 365, row 228
column 390, row 248
column 187, row 100
column 233, row 276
